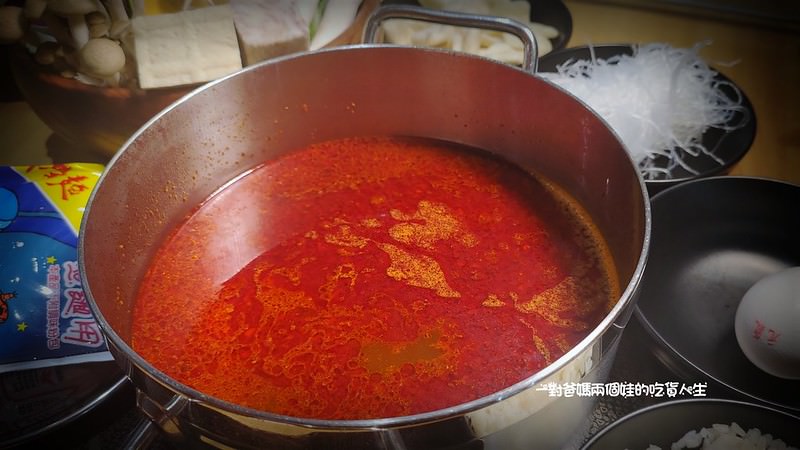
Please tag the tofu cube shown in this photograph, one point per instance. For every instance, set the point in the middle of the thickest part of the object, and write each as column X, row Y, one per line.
column 186, row 47
column 270, row 28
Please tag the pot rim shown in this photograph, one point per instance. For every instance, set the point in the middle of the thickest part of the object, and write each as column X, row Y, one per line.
column 623, row 304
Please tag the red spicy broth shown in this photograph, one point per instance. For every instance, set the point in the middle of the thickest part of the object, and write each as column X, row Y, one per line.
column 372, row 277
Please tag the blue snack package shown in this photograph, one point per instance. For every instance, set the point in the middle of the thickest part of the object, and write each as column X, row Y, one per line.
column 45, row 318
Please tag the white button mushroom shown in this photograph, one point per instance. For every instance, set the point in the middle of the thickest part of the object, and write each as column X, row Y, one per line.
column 12, row 24
column 47, row 53
column 75, row 12
column 51, row 55
column 102, row 58
column 34, row 8
column 98, row 24
column 57, row 28
column 119, row 17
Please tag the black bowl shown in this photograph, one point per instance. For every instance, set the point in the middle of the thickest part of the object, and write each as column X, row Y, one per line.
column 713, row 239
column 555, row 14
column 729, row 146
column 665, row 423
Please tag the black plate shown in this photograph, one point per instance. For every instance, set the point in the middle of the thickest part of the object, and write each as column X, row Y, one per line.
column 555, row 14
column 668, row 422
column 61, row 403
column 712, row 239
column 549, row 12
column 729, row 146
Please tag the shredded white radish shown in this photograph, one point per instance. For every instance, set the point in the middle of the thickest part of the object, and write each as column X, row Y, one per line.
column 659, row 101
column 339, row 14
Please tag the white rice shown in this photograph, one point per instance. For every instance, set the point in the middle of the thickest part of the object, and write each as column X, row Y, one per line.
column 727, row 437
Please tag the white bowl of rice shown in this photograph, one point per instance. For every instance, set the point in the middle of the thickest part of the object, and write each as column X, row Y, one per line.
column 715, row 424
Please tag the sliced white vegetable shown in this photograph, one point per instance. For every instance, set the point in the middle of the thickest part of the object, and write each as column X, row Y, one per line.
column 306, row 9
column 339, row 14
column 268, row 29
column 78, row 29
column 491, row 44
column 34, row 8
column 137, row 8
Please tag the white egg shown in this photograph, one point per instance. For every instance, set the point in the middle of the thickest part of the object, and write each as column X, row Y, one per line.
column 768, row 324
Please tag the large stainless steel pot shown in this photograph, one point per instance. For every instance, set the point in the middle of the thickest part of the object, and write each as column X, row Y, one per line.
column 187, row 152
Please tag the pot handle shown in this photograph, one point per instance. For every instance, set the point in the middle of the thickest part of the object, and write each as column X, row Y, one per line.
column 142, row 436
column 518, row 29
column 156, row 418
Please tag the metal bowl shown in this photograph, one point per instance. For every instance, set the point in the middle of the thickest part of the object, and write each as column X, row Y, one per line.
column 729, row 146
column 712, row 240
column 548, row 12
column 665, row 423
column 96, row 118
